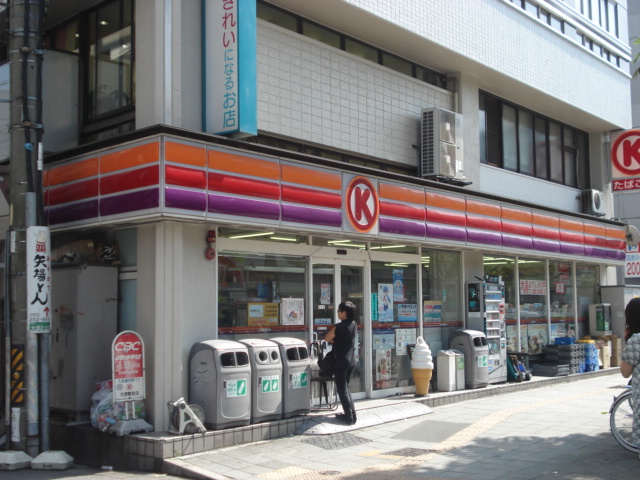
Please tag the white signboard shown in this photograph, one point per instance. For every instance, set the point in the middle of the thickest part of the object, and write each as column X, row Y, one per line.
column 38, row 280
column 632, row 266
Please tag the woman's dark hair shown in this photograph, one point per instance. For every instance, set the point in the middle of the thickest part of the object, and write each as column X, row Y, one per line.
column 632, row 315
column 349, row 308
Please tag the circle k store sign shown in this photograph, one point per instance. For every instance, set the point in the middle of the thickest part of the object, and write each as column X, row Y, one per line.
column 362, row 205
column 625, row 158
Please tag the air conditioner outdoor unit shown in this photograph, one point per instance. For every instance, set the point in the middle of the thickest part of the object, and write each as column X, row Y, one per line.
column 593, row 202
column 441, row 150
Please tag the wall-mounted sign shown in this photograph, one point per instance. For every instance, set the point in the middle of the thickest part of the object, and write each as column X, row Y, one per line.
column 362, row 205
column 230, row 83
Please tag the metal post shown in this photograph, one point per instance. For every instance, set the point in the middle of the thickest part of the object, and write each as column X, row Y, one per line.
column 25, row 55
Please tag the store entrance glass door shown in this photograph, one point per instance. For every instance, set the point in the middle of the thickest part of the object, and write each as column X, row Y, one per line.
column 336, row 281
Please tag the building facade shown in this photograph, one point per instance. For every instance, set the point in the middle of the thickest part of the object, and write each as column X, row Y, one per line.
column 255, row 219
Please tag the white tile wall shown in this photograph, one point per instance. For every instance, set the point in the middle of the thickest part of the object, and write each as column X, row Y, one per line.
column 319, row 94
column 528, row 189
column 508, row 41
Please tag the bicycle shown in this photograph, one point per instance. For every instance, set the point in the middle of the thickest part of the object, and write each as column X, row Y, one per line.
column 621, row 420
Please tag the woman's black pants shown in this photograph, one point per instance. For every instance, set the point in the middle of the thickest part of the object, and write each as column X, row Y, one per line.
column 342, row 377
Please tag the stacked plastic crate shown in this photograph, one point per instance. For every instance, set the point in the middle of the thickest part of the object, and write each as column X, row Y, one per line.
column 571, row 356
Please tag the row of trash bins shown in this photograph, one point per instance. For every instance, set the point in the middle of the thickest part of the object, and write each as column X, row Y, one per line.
column 249, row 381
column 236, row 383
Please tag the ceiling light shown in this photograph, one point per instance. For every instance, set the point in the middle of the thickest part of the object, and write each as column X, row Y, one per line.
column 250, row 235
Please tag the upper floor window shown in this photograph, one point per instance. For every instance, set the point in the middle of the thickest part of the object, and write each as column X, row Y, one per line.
column 103, row 39
column 522, row 141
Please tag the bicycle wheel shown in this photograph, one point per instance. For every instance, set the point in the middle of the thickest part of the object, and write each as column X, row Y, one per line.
column 621, row 421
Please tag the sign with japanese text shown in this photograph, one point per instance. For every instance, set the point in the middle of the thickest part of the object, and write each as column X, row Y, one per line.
column 533, row 287
column 632, row 265
column 38, row 280
column 230, row 86
column 262, row 314
column 127, row 359
column 236, row 388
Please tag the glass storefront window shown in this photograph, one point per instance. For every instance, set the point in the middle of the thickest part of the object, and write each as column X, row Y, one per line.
column 587, row 285
column 261, row 295
column 561, row 295
column 442, row 297
column 533, row 305
column 394, row 321
column 504, row 267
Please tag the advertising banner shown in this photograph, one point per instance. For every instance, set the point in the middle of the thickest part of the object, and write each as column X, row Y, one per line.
column 127, row 360
column 38, row 280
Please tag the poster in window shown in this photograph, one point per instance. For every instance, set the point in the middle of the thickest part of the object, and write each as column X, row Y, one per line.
column 537, row 338
column 404, row 337
column 325, row 294
column 292, row 311
column 398, row 286
column 407, row 312
column 262, row 314
column 385, row 302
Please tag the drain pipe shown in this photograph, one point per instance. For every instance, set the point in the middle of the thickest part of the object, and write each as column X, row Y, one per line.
column 7, row 342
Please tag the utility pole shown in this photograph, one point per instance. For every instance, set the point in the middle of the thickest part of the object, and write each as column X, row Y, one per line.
column 25, row 55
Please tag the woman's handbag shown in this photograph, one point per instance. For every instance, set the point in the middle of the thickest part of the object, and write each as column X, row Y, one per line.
column 326, row 364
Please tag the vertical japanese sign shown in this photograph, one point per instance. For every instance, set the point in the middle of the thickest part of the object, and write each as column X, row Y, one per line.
column 127, row 363
column 230, row 82
column 38, row 280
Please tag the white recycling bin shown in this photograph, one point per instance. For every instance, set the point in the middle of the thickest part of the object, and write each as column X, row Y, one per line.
column 220, row 382
column 460, row 380
column 446, row 371
column 266, row 371
column 296, row 375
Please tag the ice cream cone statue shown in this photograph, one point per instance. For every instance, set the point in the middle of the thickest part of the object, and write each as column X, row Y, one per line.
column 421, row 367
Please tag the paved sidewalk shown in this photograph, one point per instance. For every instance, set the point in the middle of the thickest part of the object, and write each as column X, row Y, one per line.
column 556, row 432
column 559, row 431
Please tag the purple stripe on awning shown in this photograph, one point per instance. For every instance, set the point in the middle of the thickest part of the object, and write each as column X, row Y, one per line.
column 595, row 252
column 571, row 249
column 517, row 241
column 616, row 254
column 313, row 216
column 546, row 245
column 446, row 232
column 402, row 227
column 185, row 199
column 484, row 236
column 244, row 207
column 73, row 213
column 130, row 202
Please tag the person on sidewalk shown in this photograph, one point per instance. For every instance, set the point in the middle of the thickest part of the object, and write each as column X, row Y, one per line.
column 630, row 365
column 343, row 346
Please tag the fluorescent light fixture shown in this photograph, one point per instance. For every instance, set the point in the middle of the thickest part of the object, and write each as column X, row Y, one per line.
column 338, row 242
column 387, row 246
column 250, row 235
column 396, row 264
column 284, row 239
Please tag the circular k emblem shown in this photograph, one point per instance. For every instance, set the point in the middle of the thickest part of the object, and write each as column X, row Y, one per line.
column 362, row 204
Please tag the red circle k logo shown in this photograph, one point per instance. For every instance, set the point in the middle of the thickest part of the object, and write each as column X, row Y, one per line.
column 362, row 204
column 625, row 153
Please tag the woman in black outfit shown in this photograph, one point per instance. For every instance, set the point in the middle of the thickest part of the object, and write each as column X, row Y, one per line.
column 343, row 346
